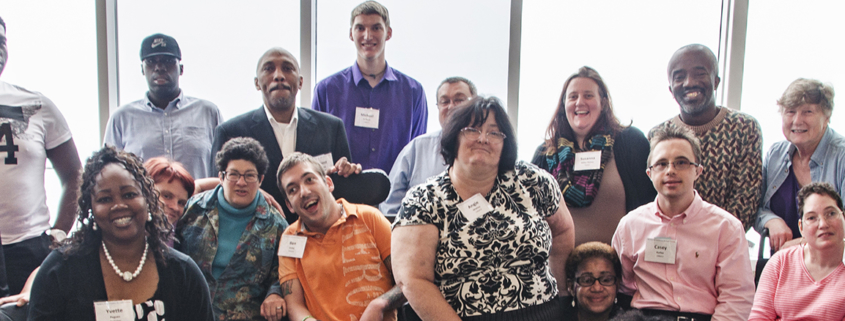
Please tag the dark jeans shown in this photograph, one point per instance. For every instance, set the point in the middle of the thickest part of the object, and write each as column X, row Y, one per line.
column 23, row 257
column 4, row 284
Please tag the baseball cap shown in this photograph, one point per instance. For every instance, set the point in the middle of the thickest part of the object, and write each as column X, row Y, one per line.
column 160, row 44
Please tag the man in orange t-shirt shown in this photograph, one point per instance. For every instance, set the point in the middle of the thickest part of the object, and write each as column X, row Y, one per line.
column 334, row 261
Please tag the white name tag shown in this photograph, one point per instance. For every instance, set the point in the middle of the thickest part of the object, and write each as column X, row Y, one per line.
column 661, row 250
column 586, row 161
column 474, row 207
column 366, row 117
column 292, row 246
column 114, row 310
column 325, row 160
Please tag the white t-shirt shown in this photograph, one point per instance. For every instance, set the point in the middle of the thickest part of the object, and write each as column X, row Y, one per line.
column 31, row 124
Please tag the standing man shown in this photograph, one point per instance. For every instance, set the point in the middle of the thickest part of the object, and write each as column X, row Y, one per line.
column 421, row 158
column 166, row 122
column 682, row 256
column 731, row 141
column 282, row 128
column 382, row 108
column 32, row 130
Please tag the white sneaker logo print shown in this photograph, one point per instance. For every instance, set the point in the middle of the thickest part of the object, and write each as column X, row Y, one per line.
column 159, row 42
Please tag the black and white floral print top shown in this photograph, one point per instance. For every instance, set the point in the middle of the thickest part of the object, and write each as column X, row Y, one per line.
column 500, row 261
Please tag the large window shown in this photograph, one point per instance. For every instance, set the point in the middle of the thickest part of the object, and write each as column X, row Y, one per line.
column 789, row 40
column 628, row 42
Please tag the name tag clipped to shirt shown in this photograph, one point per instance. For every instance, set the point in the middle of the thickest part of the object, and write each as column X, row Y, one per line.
column 122, row 310
column 661, row 250
column 366, row 117
column 474, row 207
column 292, row 246
column 586, row 161
column 325, row 160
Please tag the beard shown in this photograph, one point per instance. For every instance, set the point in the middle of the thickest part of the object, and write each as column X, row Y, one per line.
column 281, row 103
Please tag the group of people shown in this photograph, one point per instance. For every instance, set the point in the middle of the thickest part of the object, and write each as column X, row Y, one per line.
column 176, row 217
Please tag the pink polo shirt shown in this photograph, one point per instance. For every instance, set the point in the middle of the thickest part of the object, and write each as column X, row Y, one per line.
column 712, row 272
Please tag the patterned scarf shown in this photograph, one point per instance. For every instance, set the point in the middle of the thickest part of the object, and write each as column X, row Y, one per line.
column 579, row 188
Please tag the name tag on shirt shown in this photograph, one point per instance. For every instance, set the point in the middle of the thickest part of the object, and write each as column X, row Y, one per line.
column 661, row 250
column 366, row 117
column 586, row 161
column 292, row 246
column 474, row 207
column 122, row 310
column 325, row 160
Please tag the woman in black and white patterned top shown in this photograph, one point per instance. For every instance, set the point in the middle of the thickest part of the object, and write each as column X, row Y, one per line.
column 487, row 238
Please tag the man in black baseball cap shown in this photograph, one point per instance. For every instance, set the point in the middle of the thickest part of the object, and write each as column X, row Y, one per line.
column 165, row 122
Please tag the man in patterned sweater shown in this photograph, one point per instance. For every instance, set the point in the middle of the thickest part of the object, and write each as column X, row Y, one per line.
column 730, row 140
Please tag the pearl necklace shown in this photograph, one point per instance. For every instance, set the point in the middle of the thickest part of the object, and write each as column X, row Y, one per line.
column 126, row 275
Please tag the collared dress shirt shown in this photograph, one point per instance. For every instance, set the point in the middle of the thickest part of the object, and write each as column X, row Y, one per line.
column 827, row 164
column 417, row 162
column 285, row 133
column 403, row 112
column 712, row 272
column 183, row 131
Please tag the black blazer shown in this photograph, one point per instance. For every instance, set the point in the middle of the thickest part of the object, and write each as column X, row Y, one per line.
column 317, row 133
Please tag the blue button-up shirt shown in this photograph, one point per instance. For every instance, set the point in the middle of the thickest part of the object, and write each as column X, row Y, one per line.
column 183, row 131
column 403, row 112
column 418, row 161
column 826, row 165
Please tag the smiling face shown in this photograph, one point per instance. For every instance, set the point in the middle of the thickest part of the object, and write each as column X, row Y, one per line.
column 174, row 197
column 481, row 152
column 162, row 73
column 240, row 193
column 804, row 125
column 693, row 79
column 310, row 197
column 672, row 183
column 278, row 79
column 369, row 34
column 822, row 223
column 583, row 106
column 596, row 298
column 118, row 205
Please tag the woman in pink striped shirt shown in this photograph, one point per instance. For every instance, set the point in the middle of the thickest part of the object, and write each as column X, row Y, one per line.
column 806, row 282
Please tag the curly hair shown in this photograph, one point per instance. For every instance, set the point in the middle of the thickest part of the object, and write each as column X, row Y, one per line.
column 824, row 189
column 162, row 169
column 590, row 250
column 243, row 148
column 86, row 239
column 807, row 91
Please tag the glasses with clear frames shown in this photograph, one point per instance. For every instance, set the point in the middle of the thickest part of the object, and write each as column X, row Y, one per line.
column 474, row 133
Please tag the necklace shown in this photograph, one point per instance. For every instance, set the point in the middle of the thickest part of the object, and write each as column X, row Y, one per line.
column 126, row 275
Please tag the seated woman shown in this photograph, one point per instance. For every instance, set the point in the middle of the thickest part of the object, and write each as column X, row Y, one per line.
column 174, row 184
column 812, row 152
column 118, row 254
column 486, row 239
column 592, row 271
column 805, row 282
column 584, row 123
column 233, row 235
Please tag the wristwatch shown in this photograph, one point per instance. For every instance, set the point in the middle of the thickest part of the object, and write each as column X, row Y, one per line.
column 58, row 235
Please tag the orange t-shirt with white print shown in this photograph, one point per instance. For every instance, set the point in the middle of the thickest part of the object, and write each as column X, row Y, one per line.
column 343, row 270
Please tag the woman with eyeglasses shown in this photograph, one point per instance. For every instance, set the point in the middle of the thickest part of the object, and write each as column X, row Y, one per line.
column 486, row 239
column 812, row 152
column 592, row 271
column 806, row 282
column 233, row 235
column 598, row 163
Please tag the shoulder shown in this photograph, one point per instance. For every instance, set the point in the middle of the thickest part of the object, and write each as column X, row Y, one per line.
column 127, row 109
column 664, row 124
column 735, row 116
column 630, row 133
column 201, row 103
column 240, row 120
column 340, row 77
column 527, row 172
column 722, row 217
column 202, row 200
column 405, row 79
column 638, row 214
column 318, row 115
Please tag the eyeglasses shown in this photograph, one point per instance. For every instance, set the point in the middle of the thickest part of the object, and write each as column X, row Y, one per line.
column 167, row 62
column 813, row 218
column 234, row 177
column 473, row 134
column 681, row 165
column 587, row 280
column 457, row 101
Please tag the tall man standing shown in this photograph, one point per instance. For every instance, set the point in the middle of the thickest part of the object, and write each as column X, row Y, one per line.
column 165, row 122
column 382, row 108
column 731, row 141
column 32, row 130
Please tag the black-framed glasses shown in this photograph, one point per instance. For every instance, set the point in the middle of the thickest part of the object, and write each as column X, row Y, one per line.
column 681, row 164
column 446, row 101
column 587, row 280
column 472, row 133
column 166, row 61
column 234, row 177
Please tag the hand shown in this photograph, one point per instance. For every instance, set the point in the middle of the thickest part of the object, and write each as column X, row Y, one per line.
column 779, row 233
column 272, row 201
column 345, row 168
column 792, row 242
column 374, row 311
column 21, row 299
column 273, row 308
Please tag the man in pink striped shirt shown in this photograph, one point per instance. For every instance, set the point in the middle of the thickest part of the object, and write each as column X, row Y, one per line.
column 681, row 256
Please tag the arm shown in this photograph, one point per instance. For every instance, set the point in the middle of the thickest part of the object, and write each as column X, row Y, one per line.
column 389, row 301
column 743, row 200
column 65, row 160
column 628, row 286
column 779, row 232
column 23, row 297
column 220, row 137
column 399, row 178
column 196, row 294
column 295, row 299
column 734, row 281
column 341, row 143
column 764, row 308
column 414, row 271
column 563, row 241
column 113, row 137
column 420, row 116
column 273, row 308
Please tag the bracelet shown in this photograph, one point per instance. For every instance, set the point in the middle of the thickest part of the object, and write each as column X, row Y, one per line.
column 308, row 317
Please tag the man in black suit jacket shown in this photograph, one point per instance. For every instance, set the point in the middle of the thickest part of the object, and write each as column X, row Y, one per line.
column 315, row 133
